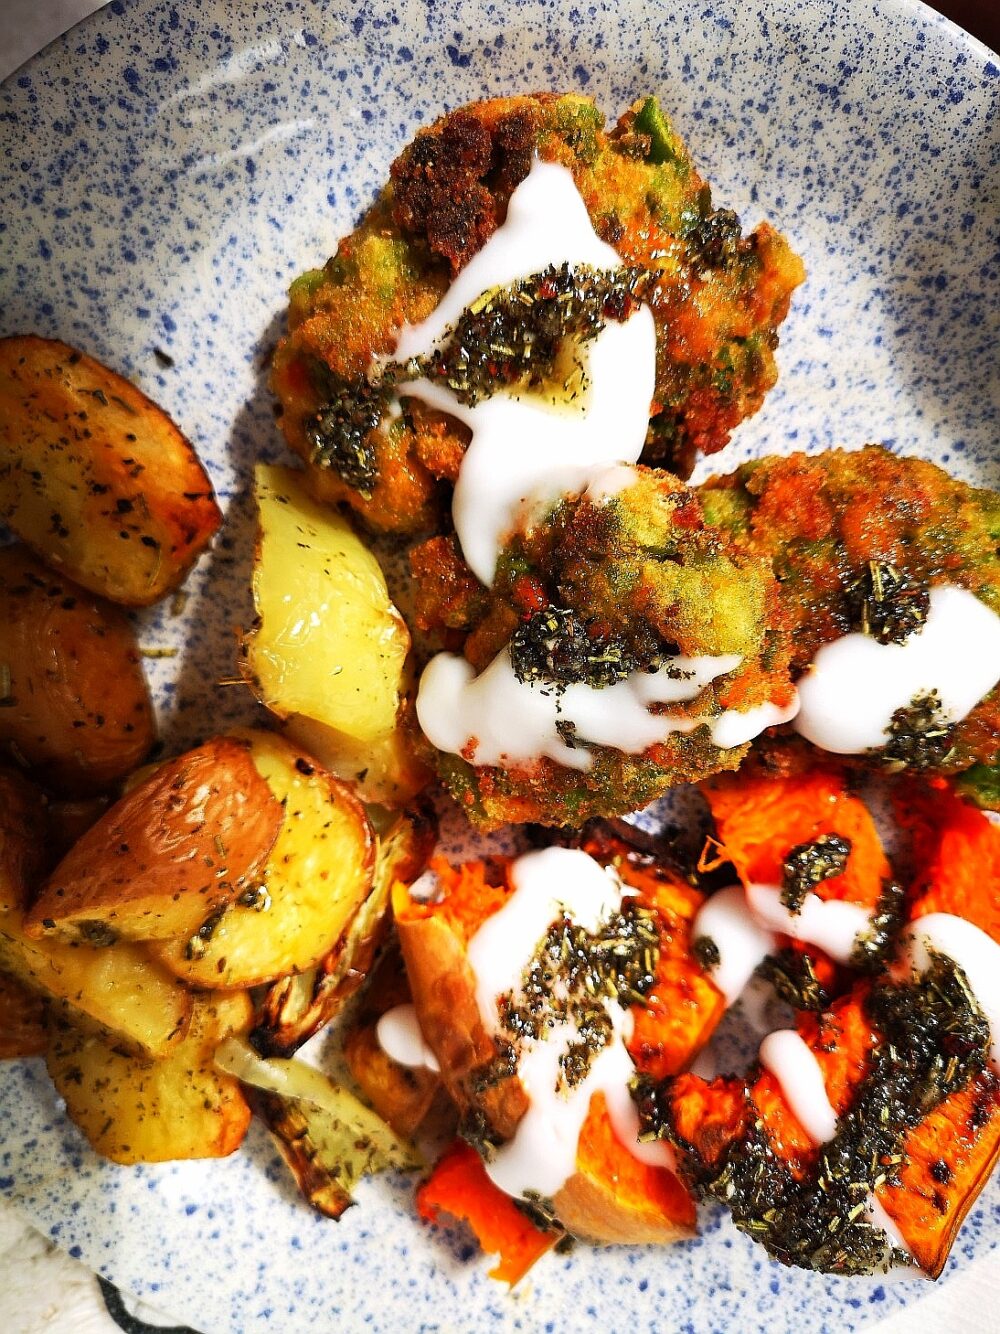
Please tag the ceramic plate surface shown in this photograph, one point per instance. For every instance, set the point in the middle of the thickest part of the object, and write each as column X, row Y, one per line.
column 165, row 170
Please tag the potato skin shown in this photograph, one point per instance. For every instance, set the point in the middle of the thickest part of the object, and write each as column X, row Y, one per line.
column 182, row 844
column 23, row 1027
column 76, row 709
column 95, row 477
column 318, row 874
column 23, row 834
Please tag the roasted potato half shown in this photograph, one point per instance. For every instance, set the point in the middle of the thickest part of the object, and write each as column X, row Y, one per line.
column 120, row 988
column 95, row 477
column 135, row 1111
column 387, row 771
column 295, row 1008
column 74, row 705
column 183, row 844
column 328, row 644
column 23, row 1022
column 318, row 874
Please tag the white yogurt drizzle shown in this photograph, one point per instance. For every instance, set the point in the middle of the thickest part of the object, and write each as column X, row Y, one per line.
column 855, row 685
column 744, row 924
column 542, row 1155
column 976, row 953
column 794, row 1065
column 524, row 448
column 401, row 1038
column 497, row 719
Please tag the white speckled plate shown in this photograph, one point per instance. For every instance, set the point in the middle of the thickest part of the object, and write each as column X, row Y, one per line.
column 167, row 167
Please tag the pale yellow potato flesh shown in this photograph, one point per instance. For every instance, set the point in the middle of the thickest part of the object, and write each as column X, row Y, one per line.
column 328, row 643
column 119, row 987
column 180, row 1107
column 318, row 874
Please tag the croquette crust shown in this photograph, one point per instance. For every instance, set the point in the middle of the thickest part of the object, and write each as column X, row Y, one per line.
column 717, row 299
column 820, row 519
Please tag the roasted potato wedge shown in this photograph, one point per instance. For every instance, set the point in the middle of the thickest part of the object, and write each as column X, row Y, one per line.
column 23, row 832
column 402, row 1095
column 296, row 1008
column 121, row 989
column 23, row 1023
column 328, row 643
column 74, row 705
column 318, row 874
column 95, row 477
column 180, row 846
column 152, row 1112
column 329, row 1139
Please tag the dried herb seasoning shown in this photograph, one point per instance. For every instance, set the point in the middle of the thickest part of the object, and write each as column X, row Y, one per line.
column 872, row 946
column 919, row 735
column 809, row 864
column 556, row 646
column 530, row 335
column 934, row 1039
column 570, row 979
column 339, row 434
column 888, row 603
column 706, row 952
column 527, row 336
column 792, row 974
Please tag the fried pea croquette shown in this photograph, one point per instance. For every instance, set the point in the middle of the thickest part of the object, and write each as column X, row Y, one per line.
column 657, row 645
column 859, row 541
column 717, row 296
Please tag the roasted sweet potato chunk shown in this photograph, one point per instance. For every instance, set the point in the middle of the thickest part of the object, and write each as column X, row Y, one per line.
column 95, row 477
column 183, row 844
column 74, row 705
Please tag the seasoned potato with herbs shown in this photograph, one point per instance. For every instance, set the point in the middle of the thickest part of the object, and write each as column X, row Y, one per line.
column 121, row 989
column 328, row 643
column 295, row 1008
column 23, row 1027
column 386, row 771
column 152, row 1112
column 74, row 705
column 183, row 844
column 95, row 477
column 318, row 874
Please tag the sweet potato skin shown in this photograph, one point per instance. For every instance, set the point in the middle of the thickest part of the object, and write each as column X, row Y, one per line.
column 76, row 707
column 95, row 477
column 611, row 1197
column 184, row 842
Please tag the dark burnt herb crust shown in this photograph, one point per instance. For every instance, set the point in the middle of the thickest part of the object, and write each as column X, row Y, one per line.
column 933, row 1041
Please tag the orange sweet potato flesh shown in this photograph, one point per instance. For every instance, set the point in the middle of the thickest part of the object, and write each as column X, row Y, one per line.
column 615, row 1198
column 761, row 818
column 181, row 844
column 460, row 1187
column 956, row 850
column 611, row 1197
